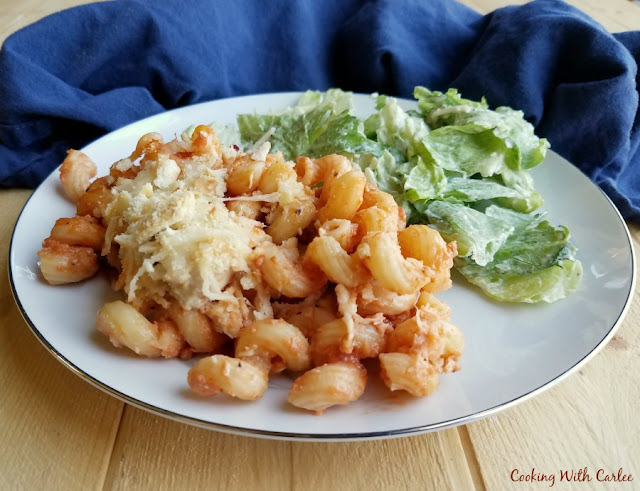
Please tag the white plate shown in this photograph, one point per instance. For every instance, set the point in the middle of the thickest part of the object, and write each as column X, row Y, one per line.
column 512, row 352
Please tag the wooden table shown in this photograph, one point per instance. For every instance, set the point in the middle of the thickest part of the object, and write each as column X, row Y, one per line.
column 59, row 432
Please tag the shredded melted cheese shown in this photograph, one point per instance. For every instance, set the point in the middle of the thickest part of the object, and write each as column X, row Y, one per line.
column 175, row 235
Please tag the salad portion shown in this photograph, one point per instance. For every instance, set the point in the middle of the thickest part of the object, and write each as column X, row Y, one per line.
column 454, row 164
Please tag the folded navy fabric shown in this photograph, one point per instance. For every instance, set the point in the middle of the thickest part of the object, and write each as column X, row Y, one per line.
column 78, row 74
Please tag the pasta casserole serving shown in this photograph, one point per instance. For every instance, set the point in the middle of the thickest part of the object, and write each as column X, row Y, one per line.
column 254, row 264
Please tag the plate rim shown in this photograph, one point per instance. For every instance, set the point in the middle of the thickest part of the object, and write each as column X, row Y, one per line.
column 310, row 437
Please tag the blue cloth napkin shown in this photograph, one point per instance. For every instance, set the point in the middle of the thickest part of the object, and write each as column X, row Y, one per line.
column 78, row 74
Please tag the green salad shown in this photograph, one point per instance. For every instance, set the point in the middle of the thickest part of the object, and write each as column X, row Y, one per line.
column 453, row 164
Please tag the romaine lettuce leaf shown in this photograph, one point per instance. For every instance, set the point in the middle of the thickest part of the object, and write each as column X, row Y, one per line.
column 392, row 126
column 468, row 150
column 447, row 104
column 424, row 181
column 385, row 172
column 479, row 236
column 523, row 205
column 549, row 284
column 343, row 134
column 536, row 262
column 320, row 123
column 467, row 190
column 518, row 132
column 416, row 212
column 521, row 181
column 522, row 148
column 339, row 101
column 407, row 176
column 507, row 125
column 314, row 133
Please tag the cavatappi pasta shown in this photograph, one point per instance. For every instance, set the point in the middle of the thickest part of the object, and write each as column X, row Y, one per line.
column 258, row 265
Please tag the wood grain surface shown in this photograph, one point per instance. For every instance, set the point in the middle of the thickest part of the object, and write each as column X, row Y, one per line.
column 59, row 432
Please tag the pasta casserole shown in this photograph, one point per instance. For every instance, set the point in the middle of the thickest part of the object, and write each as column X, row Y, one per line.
column 255, row 265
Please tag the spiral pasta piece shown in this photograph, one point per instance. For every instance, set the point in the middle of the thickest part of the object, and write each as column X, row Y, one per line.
column 275, row 337
column 425, row 244
column 220, row 373
column 291, row 219
column 344, row 198
column 341, row 268
column 381, row 253
column 62, row 263
column 76, row 171
column 284, row 271
column 409, row 372
column 125, row 326
column 328, row 385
